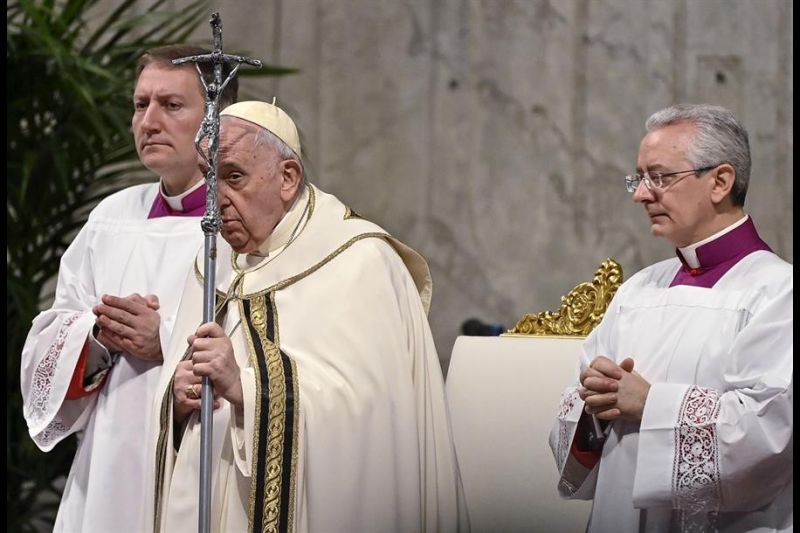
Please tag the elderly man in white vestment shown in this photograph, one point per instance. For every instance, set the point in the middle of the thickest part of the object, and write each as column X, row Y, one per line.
column 90, row 363
column 330, row 411
column 683, row 417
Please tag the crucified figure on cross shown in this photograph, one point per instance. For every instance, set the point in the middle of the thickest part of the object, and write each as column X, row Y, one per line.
column 209, row 128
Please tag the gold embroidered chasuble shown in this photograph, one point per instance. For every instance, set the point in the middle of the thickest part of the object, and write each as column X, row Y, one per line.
column 342, row 385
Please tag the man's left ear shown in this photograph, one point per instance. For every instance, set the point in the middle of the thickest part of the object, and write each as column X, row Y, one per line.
column 291, row 174
column 724, row 177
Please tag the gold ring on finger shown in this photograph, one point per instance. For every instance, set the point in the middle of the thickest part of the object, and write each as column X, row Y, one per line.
column 191, row 393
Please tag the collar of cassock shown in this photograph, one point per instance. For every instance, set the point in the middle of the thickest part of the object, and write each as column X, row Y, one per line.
column 190, row 203
column 705, row 262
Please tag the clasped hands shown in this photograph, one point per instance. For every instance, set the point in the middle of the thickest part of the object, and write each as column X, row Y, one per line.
column 613, row 391
column 212, row 356
column 130, row 324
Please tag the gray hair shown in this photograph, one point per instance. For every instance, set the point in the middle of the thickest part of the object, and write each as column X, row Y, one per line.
column 719, row 138
column 266, row 138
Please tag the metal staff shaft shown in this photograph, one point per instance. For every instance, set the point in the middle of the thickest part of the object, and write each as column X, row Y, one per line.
column 211, row 224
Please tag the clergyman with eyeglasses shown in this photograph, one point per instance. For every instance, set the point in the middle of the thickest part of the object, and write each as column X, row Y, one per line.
column 682, row 420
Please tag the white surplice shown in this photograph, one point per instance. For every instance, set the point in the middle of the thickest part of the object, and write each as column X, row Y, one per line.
column 713, row 451
column 332, row 337
column 118, row 252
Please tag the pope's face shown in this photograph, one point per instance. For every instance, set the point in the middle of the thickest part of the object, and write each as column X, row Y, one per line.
column 255, row 188
column 168, row 110
column 682, row 211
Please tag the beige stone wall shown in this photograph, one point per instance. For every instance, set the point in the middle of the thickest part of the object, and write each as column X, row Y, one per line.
column 493, row 136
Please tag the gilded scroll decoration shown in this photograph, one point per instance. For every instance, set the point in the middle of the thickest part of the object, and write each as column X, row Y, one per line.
column 581, row 310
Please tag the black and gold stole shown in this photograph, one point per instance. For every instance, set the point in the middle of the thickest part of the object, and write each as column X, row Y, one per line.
column 277, row 410
column 275, row 434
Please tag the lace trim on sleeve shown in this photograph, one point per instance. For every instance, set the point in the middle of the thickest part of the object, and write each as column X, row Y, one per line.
column 54, row 431
column 568, row 400
column 37, row 407
column 695, row 475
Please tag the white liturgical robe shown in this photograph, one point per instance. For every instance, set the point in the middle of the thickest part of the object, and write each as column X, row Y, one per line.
column 119, row 252
column 344, row 426
column 713, row 451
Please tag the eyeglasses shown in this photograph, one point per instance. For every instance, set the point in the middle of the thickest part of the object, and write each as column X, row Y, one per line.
column 659, row 180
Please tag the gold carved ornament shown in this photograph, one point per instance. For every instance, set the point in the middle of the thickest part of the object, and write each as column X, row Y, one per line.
column 581, row 310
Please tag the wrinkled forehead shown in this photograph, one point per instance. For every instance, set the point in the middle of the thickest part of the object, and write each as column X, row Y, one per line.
column 170, row 79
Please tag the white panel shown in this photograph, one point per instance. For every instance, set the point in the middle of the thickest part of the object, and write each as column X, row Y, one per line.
column 503, row 394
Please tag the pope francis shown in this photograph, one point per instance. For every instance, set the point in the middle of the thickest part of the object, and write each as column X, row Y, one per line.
column 330, row 413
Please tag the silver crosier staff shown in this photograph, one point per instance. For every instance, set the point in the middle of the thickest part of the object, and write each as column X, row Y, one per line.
column 211, row 224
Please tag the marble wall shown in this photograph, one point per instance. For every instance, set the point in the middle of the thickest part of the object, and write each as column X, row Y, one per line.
column 493, row 136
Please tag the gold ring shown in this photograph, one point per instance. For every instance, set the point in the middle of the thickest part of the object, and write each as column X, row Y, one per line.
column 191, row 393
